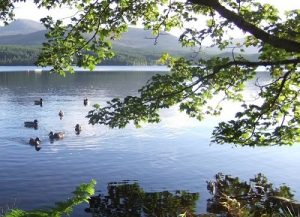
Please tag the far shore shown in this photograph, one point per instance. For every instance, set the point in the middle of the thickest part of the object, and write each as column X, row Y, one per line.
column 78, row 69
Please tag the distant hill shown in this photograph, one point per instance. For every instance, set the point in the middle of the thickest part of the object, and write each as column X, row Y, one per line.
column 135, row 38
column 35, row 38
column 21, row 26
column 215, row 50
column 136, row 47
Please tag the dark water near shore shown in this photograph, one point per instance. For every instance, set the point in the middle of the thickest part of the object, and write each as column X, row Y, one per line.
column 175, row 154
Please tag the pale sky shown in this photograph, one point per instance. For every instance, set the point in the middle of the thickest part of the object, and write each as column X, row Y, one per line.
column 28, row 10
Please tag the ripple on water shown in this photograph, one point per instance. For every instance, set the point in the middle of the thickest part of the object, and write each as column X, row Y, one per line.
column 174, row 154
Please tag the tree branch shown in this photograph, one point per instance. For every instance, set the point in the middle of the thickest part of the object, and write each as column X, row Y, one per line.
column 258, row 63
column 282, row 43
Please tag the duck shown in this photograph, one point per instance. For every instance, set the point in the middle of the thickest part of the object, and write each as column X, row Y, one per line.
column 60, row 114
column 32, row 124
column 35, row 142
column 58, row 135
column 39, row 102
column 85, row 102
column 77, row 129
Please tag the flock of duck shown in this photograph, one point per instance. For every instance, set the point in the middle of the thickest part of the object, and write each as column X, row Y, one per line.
column 52, row 136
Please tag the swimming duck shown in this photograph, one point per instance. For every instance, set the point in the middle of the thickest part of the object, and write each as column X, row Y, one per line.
column 85, row 102
column 33, row 124
column 39, row 102
column 61, row 114
column 35, row 142
column 77, row 129
column 58, row 135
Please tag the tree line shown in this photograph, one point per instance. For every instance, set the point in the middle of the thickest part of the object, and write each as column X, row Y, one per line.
column 12, row 55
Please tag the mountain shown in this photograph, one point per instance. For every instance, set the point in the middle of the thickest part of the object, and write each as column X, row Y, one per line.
column 215, row 50
column 135, row 47
column 21, row 26
column 135, row 38
column 35, row 38
column 21, row 40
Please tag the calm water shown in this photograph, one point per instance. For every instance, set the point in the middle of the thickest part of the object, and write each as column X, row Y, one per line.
column 173, row 155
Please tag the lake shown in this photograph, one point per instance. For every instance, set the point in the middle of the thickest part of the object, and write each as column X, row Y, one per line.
column 175, row 154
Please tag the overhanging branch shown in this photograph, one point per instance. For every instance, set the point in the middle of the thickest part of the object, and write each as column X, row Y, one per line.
column 258, row 63
column 282, row 43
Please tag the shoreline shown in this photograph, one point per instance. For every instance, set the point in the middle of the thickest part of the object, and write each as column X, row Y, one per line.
column 78, row 69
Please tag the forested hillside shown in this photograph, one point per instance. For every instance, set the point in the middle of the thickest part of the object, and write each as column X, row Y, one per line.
column 20, row 44
column 21, row 41
column 18, row 55
column 27, row 55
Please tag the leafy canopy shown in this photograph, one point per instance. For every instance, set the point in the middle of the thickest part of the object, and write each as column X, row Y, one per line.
column 192, row 83
column 257, row 197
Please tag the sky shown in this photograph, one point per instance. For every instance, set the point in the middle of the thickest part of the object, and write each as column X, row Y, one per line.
column 28, row 10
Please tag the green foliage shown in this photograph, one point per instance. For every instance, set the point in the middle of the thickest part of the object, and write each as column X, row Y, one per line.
column 86, row 41
column 192, row 84
column 81, row 194
column 258, row 197
column 129, row 199
column 230, row 196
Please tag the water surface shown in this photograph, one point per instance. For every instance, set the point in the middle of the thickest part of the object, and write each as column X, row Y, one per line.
column 175, row 154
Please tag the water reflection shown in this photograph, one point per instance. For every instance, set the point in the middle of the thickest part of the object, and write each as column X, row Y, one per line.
column 174, row 154
column 79, row 83
column 258, row 197
column 230, row 197
column 129, row 199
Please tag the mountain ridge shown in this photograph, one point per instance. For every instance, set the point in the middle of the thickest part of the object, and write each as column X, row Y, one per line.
column 21, row 26
column 135, row 46
column 135, row 38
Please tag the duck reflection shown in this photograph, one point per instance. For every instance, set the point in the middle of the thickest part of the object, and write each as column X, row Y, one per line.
column 129, row 199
